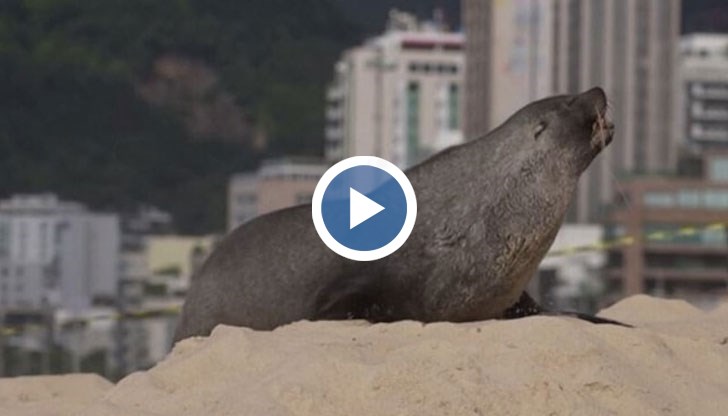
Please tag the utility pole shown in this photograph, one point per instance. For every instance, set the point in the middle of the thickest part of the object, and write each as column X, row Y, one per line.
column 49, row 318
column 2, row 342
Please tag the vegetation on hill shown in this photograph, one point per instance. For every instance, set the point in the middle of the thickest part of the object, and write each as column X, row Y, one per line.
column 121, row 102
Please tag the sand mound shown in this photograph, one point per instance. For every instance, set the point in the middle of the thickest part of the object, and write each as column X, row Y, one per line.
column 646, row 309
column 50, row 395
column 675, row 362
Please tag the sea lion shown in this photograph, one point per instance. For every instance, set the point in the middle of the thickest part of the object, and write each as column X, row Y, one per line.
column 488, row 211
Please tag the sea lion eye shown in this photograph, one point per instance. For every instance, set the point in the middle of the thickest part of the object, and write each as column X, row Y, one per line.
column 540, row 128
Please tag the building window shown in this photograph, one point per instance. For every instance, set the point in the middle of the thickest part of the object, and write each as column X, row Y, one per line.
column 454, row 107
column 246, row 198
column 659, row 199
column 716, row 199
column 23, row 240
column 413, row 119
column 719, row 169
column 688, row 198
column 714, row 236
column 303, row 198
column 614, row 231
column 447, row 69
column 43, row 241
column 4, row 240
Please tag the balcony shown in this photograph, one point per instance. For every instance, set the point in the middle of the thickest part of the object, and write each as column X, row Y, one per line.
column 334, row 113
column 698, row 132
column 686, row 274
column 334, row 133
column 709, row 115
column 696, row 249
column 710, row 92
column 335, row 93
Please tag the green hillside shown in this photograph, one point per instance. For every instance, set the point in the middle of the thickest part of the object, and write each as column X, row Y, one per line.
column 119, row 102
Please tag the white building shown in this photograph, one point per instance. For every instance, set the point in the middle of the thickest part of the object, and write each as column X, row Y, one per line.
column 398, row 96
column 704, row 90
column 56, row 254
column 277, row 184
column 522, row 50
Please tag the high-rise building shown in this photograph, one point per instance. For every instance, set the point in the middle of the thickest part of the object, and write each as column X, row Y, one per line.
column 56, row 254
column 704, row 91
column 277, row 184
column 398, row 96
column 478, row 43
column 534, row 48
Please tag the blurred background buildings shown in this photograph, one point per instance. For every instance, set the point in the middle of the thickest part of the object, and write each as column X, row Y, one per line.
column 703, row 90
column 527, row 50
column 277, row 184
column 676, row 225
column 56, row 254
column 244, row 117
column 399, row 96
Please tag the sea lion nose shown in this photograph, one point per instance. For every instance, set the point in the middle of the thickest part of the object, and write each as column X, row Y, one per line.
column 595, row 99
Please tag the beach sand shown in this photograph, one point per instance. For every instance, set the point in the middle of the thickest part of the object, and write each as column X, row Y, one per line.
column 675, row 362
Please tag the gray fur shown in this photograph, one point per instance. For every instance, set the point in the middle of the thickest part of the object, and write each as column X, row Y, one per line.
column 488, row 211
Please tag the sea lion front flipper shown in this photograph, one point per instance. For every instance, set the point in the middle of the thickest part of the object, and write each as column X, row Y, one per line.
column 526, row 306
column 353, row 297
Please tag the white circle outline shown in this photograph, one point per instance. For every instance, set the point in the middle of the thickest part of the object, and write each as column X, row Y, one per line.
column 397, row 241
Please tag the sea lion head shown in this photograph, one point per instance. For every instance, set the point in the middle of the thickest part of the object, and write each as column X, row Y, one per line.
column 570, row 130
column 532, row 162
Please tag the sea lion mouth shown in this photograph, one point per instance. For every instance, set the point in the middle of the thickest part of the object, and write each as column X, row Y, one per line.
column 602, row 130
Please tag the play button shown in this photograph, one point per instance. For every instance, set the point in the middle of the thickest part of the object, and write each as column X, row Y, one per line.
column 361, row 208
column 364, row 208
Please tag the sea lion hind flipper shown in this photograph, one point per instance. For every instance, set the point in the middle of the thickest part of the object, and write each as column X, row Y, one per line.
column 586, row 317
column 526, row 306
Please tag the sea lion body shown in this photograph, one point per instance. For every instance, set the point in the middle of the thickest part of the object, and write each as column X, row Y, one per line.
column 488, row 211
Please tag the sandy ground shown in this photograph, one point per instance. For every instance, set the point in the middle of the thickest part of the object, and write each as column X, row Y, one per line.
column 674, row 363
column 50, row 395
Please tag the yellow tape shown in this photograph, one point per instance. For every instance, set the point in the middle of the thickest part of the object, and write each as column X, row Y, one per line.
column 630, row 240
column 659, row 235
column 687, row 231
